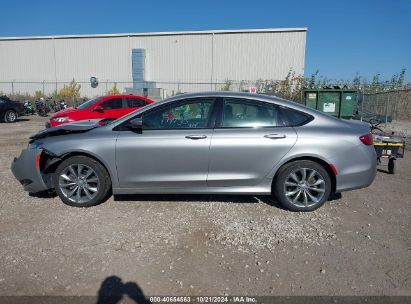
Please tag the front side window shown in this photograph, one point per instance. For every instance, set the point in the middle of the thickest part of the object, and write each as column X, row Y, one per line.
column 244, row 113
column 191, row 114
column 88, row 103
column 112, row 104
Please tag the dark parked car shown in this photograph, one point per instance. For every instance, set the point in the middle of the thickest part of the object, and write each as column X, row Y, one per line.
column 10, row 110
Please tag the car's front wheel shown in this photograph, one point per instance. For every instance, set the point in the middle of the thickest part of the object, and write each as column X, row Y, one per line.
column 302, row 186
column 10, row 116
column 81, row 181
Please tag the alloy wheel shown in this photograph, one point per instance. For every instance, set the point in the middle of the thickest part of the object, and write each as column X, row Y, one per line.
column 79, row 183
column 304, row 187
column 11, row 116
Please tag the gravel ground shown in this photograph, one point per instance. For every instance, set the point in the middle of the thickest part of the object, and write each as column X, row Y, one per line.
column 358, row 244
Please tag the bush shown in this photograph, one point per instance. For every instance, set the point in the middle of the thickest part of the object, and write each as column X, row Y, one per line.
column 70, row 91
column 113, row 90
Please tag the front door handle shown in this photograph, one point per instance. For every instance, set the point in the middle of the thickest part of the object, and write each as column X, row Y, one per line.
column 195, row 137
column 275, row 136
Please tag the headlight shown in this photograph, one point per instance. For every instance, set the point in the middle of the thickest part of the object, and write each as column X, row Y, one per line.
column 60, row 119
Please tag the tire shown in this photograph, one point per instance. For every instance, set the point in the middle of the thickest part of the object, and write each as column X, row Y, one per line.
column 391, row 166
column 295, row 193
column 10, row 116
column 93, row 187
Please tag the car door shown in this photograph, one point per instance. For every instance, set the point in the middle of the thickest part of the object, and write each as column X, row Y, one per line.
column 172, row 150
column 2, row 107
column 249, row 140
column 112, row 108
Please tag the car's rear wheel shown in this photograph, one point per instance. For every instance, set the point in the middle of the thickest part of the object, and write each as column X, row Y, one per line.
column 81, row 181
column 10, row 116
column 302, row 186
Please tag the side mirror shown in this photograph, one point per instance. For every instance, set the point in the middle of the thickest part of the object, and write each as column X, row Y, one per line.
column 99, row 109
column 136, row 125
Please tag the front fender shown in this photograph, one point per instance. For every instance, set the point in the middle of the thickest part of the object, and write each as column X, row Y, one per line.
column 98, row 146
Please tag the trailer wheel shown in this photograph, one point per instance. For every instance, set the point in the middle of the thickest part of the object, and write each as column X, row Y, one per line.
column 391, row 165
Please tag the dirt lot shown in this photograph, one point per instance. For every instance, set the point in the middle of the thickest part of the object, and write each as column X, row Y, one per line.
column 204, row 245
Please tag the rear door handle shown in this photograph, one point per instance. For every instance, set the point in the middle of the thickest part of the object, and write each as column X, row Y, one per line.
column 195, row 137
column 275, row 136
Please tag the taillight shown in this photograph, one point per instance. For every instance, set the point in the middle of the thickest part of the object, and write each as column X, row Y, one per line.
column 366, row 139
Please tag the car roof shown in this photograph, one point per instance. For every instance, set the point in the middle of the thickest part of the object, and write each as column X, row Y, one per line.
column 127, row 95
column 122, row 95
column 257, row 97
column 261, row 97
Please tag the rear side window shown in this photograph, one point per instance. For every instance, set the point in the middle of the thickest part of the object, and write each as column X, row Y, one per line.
column 136, row 103
column 294, row 118
column 244, row 113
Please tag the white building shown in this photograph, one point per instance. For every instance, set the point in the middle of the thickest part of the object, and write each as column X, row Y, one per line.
column 173, row 61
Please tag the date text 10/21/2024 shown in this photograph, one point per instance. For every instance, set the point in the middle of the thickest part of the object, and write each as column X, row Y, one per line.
column 203, row 299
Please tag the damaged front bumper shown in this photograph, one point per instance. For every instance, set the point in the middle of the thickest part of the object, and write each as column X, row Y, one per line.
column 26, row 169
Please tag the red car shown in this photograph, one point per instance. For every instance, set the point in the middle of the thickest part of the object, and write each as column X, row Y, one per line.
column 103, row 107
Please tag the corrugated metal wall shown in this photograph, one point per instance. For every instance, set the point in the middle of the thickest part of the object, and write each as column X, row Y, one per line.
column 243, row 56
column 171, row 58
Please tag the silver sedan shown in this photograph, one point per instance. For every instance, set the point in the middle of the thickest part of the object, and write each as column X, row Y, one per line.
column 216, row 142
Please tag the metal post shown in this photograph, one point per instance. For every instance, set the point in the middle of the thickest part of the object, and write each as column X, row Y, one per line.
column 394, row 110
column 386, row 108
column 12, row 87
column 43, row 87
column 212, row 62
column 362, row 106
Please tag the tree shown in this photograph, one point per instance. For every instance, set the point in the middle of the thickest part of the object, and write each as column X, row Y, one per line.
column 113, row 90
column 401, row 79
column 394, row 82
column 356, row 82
column 375, row 84
column 70, row 91
column 37, row 95
column 312, row 82
column 227, row 85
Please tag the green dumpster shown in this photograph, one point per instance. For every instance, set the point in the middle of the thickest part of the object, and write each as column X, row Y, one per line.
column 340, row 103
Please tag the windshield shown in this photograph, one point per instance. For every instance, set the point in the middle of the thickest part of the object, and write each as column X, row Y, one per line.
column 88, row 103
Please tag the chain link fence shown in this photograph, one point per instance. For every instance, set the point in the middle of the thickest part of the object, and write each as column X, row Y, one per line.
column 30, row 90
column 387, row 106
column 158, row 91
